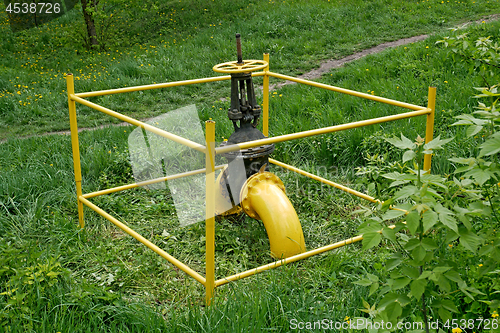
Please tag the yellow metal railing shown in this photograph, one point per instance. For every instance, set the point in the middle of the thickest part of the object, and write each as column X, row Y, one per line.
column 209, row 281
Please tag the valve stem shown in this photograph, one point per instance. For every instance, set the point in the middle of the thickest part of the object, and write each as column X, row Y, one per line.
column 238, row 49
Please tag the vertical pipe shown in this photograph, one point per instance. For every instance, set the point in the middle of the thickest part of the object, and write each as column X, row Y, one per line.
column 429, row 126
column 265, row 101
column 210, row 211
column 75, row 145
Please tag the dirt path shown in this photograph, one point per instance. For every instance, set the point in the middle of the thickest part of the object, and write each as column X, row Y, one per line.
column 325, row 67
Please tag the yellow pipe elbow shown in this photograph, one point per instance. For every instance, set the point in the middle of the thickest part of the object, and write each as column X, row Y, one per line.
column 263, row 197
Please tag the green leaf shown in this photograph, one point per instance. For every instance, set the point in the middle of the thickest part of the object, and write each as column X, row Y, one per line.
column 444, row 314
column 442, row 210
column 405, row 192
column 437, row 143
column 469, row 239
column 373, row 288
column 429, row 218
column 389, row 298
column 389, row 234
column 363, row 282
column 392, row 214
column 393, row 311
column 454, row 276
column 411, row 244
column 413, row 221
column 418, row 253
column 473, row 130
column 441, row 269
column 490, row 146
column 411, row 272
column 425, row 275
column 479, row 175
column 443, row 283
column 417, row 288
column 408, row 155
column 400, row 283
column 429, row 244
column 462, row 160
column 392, row 263
column 485, row 250
column 370, row 226
column 371, row 239
column 393, row 175
column 449, row 305
column 404, row 143
column 449, row 221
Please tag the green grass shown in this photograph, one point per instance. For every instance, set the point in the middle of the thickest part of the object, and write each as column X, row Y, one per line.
column 106, row 281
column 297, row 34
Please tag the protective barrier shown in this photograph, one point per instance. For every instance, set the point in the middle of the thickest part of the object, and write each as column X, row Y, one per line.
column 209, row 281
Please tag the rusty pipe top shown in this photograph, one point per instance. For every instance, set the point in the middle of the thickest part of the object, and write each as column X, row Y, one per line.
column 238, row 48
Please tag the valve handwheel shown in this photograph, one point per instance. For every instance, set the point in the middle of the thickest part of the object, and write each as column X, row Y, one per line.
column 234, row 67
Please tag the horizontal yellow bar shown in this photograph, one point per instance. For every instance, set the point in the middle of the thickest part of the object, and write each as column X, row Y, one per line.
column 333, row 184
column 147, row 182
column 144, row 241
column 158, row 86
column 138, row 123
column 325, row 181
column 347, row 91
column 324, row 130
column 288, row 260
column 152, row 86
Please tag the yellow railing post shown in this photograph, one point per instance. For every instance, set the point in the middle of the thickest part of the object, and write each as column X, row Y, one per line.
column 429, row 126
column 265, row 99
column 210, row 211
column 75, row 145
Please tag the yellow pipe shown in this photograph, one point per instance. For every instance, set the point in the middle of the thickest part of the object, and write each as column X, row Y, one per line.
column 189, row 271
column 324, row 130
column 75, row 145
column 210, row 211
column 347, row 91
column 263, row 197
column 429, row 126
column 138, row 123
column 265, row 99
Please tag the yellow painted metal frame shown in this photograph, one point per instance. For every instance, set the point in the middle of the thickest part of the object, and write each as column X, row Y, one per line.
column 209, row 281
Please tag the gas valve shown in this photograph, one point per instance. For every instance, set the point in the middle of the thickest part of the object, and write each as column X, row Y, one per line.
column 245, row 113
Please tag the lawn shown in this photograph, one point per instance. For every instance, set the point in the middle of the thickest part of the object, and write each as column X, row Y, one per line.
column 57, row 277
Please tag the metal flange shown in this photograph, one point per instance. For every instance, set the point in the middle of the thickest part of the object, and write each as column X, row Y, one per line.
column 251, row 185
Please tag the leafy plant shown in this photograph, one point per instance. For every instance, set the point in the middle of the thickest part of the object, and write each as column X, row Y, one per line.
column 481, row 55
column 433, row 214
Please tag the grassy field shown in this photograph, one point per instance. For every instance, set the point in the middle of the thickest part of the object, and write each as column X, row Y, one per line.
column 56, row 277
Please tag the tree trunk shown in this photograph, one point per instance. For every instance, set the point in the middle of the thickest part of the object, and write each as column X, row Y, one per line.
column 89, row 21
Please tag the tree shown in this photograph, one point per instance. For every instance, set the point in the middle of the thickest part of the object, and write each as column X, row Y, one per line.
column 89, row 10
